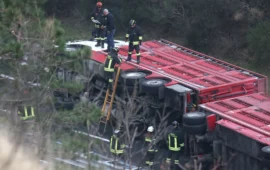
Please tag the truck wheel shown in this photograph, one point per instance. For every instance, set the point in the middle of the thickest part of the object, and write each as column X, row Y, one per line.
column 194, row 129
column 194, row 118
column 130, row 78
column 152, row 85
column 266, row 152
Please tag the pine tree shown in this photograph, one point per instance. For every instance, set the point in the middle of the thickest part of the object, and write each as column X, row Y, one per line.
column 31, row 50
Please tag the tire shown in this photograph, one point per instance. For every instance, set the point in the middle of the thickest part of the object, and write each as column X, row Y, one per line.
column 65, row 104
column 130, row 78
column 195, row 129
column 152, row 85
column 266, row 152
column 194, row 118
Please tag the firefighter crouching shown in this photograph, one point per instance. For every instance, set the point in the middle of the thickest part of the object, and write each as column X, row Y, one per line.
column 110, row 62
column 26, row 112
column 175, row 141
column 116, row 144
column 151, row 147
column 134, row 36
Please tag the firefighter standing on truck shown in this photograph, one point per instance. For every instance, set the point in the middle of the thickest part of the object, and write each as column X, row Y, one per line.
column 134, row 36
column 110, row 62
column 151, row 147
column 100, row 27
column 175, row 141
column 116, row 144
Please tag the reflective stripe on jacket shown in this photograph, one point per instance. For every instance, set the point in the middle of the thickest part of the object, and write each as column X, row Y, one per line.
column 26, row 112
column 151, row 145
column 115, row 146
column 173, row 142
column 134, row 35
column 111, row 60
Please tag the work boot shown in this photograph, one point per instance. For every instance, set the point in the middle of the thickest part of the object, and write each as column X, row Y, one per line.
column 98, row 43
column 138, row 59
column 102, row 44
column 129, row 58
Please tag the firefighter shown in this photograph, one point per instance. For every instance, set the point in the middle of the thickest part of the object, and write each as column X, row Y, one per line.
column 175, row 141
column 110, row 29
column 110, row 62
column 116, row 145
column 26, row 112
column 134, row 36
column 100, row 27
column 151, row 147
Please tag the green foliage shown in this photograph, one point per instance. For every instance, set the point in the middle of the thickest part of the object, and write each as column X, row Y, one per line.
column 71, row 87
column 82, row 113
column 259, row 43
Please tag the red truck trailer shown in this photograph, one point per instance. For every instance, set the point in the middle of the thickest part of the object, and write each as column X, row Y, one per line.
column 241, row 132
column 231, row 109
column 169, row 72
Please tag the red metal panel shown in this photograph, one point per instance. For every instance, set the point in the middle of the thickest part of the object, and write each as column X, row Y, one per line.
column 245, row 131
column 179, row 55
column 211, row 65
column 250, row 111
column 238, row 75
column 98, row 56
column 247, row 118
column 151, row 44
column 204, row 72
column 264, row 116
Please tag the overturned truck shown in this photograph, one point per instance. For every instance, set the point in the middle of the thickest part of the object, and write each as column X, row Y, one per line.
column 194, row 88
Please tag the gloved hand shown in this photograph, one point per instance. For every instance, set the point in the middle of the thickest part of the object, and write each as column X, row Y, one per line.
column 140, row 42
column 108, row 31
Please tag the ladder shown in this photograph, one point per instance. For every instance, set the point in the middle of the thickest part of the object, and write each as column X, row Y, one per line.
column 109, row 98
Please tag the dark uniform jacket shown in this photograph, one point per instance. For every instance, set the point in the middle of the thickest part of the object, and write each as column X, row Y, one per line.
column 98, row 15
column 150, row 143
column 111, row 60
column 116, row 144
column 134, row 35
column 178, row 132
column 110, row 22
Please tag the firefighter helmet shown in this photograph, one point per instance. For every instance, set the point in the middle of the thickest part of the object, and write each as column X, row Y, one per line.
column 132, row 22
column 115, row 49
column 116, row 131
column 175, row 124
column 150, row 129
column 99, row 4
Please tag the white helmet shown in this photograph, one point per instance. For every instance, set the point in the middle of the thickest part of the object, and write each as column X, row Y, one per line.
column 150, row 129
column 116, row 131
